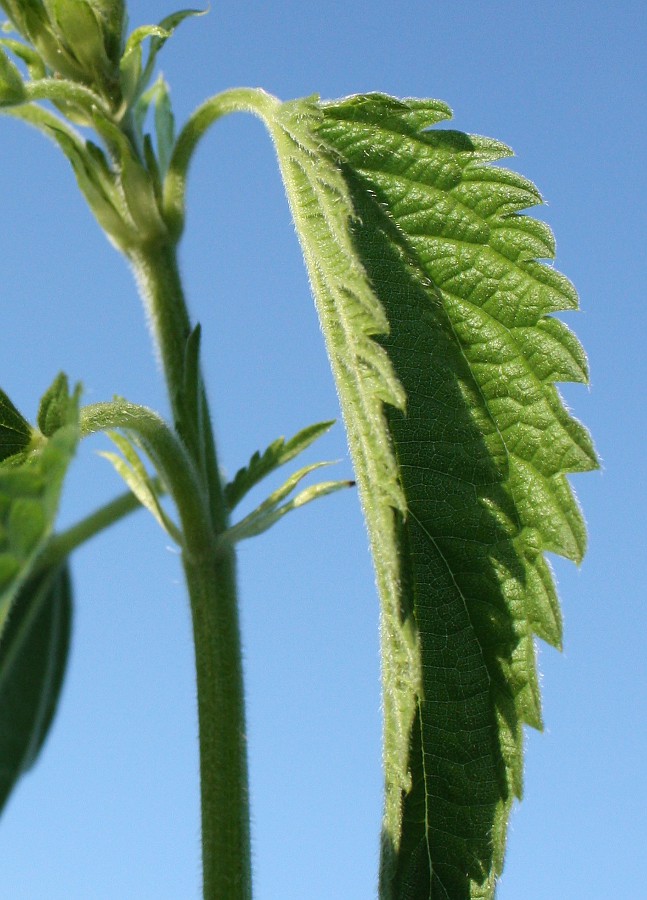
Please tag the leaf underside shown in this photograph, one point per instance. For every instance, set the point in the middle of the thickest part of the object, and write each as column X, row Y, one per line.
column 428, row 287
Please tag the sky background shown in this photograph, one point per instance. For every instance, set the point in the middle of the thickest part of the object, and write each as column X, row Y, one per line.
column 111, row 809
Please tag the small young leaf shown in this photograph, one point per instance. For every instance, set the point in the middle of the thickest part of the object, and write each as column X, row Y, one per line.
column 134, row 79
column 278, row 453
column 134, row 473
column 164, row 124
column 158, row 97
column 137, row 185
column 35, row 65
column 54, row 406
column 273, row 509
column 33, row 655
column 97, row 183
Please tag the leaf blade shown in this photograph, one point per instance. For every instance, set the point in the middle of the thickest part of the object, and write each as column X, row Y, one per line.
column 33, row 656
column 277, row 454
column 482, row 452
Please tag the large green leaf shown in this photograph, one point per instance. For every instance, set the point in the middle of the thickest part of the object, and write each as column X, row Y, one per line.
column 410, row 234
column 33, row 656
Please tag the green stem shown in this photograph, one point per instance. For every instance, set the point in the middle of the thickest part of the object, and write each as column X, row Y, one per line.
column 211, row 581
column 223, row 760
column 252, row 100
column 61, row 90
column 158, row 277
column 61, row 545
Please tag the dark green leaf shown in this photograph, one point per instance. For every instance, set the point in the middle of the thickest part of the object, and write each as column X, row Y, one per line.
column 33, row 656
column 15, row 431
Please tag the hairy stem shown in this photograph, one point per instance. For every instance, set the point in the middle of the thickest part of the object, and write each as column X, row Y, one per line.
column 158, row 277
column 61, row 545
column 211, row 581
column 223, row 761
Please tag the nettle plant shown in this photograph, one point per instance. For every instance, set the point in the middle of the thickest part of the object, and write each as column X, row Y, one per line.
column 436, row 315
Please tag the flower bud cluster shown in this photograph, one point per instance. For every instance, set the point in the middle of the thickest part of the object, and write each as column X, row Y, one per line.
column 80, row 40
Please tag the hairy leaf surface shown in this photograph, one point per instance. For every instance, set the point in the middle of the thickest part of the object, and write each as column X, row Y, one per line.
column 411, row 235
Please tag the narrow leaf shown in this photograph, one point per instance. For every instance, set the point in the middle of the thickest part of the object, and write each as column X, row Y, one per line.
column 262, row 464
column 133, row 471
column 33, row 656
column 96, row 181
column 272, row 509
column 28, row 55
column 135, row 80
column 54, row 406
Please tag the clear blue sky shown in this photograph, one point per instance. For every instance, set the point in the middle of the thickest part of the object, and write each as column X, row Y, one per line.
column 111, row 811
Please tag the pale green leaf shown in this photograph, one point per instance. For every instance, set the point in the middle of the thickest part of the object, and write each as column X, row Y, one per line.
column 272, row 509
column 133, row 471
column 28, row 55
column 95, row 179
column 277, row 454
column 158, row 96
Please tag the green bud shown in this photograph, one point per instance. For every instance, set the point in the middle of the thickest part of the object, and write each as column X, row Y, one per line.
column 12, row 89
column 80, row 31
column 112, row 14
column 27, row 16
column 136, row 182
column 53, row 412
column 31, row 19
